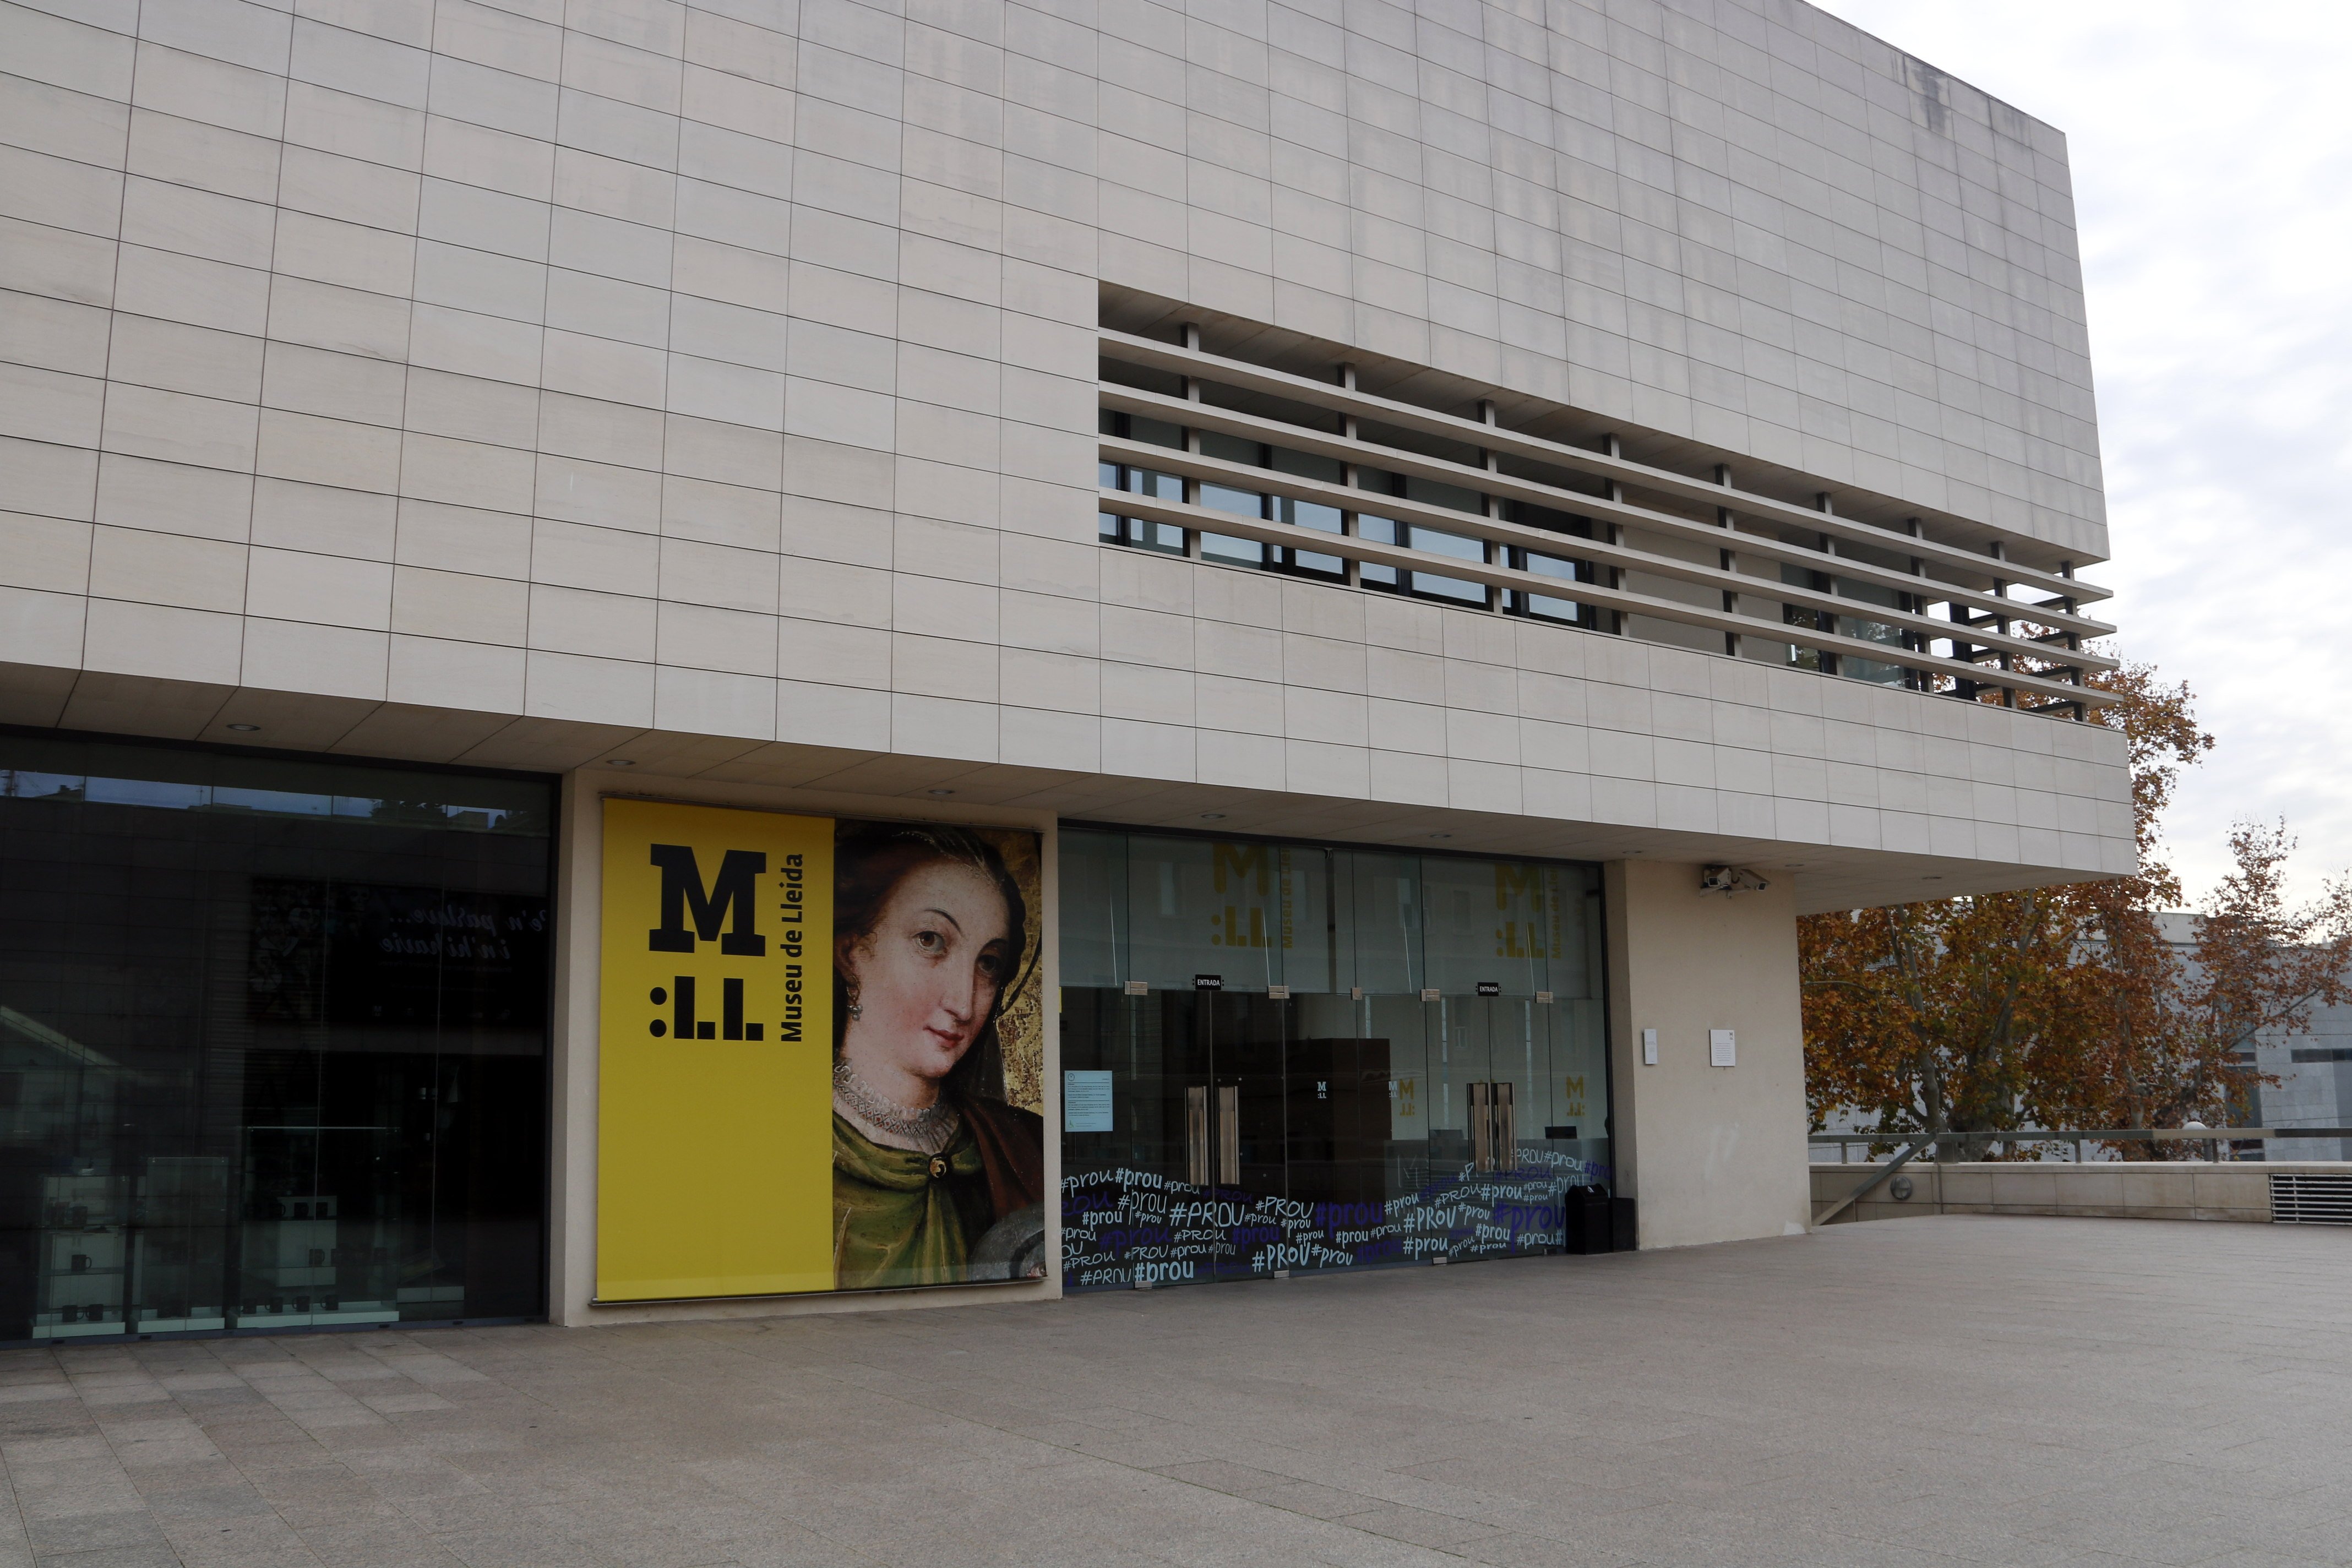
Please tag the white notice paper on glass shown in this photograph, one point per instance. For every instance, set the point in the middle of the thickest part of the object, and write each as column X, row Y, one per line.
column 1086, row 1101
column 1722, row 1048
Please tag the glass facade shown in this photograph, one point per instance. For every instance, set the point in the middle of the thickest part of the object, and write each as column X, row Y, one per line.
column 1288, row 1057
column 273, row 1041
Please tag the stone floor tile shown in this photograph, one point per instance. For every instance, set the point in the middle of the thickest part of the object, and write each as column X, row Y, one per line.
column 258, row 1542
column 1419, row 1526
column 2117, row 1392
column 1511, row 1550
column 1218, row 1475
column 1316, row 1501
column 424, row 1485
column 90, row 1531
column 157, row 1555
column 206, row 1502
column 53, row 1450
column 96, row 1500
column 516, row 1544
column 374, row 1544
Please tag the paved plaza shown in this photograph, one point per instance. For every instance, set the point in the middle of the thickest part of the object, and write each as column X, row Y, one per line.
column 1947, row 1390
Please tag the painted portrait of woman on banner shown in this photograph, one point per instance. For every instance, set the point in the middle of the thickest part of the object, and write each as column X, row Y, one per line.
column 938, row 1152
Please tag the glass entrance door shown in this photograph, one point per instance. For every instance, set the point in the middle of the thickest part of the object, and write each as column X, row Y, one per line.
column 1499, row 1044
column 1241, row 1149
column 1249, row 1055
column 1392, row 1060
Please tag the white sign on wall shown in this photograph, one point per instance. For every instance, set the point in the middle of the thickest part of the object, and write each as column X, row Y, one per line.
column 1722, row 1048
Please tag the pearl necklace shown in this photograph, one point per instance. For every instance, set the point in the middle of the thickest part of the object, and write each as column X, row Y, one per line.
column 928, row 1130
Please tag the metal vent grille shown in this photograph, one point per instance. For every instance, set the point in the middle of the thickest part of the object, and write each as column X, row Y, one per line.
column 2300, row 1197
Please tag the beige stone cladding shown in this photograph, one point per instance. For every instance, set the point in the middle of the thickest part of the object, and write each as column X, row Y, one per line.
column 1703, row 1145
column 533, row 383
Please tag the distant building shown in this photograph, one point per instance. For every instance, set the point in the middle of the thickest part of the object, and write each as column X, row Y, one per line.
column 2314, row 1087
column 2314, row 1067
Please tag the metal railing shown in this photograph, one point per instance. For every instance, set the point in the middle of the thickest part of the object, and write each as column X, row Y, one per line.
column 2329, row 1202
column 2077, row 1136
column 1872, row 1185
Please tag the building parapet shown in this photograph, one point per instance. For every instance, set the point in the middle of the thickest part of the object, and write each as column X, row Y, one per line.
column 2261, row 1193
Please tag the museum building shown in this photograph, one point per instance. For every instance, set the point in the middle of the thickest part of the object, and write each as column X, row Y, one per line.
column 738, row 657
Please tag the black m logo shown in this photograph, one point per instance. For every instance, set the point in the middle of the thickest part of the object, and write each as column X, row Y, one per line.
column 682, row 893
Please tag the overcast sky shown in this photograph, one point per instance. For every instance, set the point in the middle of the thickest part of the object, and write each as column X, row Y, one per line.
column 2211, row 149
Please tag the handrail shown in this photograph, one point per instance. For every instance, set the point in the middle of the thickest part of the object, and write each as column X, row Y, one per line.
column 2078, row 1136
column 2102, row 1134
column 1872, row 1185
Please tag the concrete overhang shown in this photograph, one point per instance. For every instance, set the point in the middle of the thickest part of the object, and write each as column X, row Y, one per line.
column 1826, row 873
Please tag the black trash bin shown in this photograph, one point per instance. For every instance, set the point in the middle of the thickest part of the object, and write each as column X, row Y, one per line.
column 1587, row 1220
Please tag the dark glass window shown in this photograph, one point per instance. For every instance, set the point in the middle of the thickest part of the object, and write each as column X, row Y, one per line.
column 1239, row 502
column 1568, row 569
column 1290, row 1056
column 1419, row 536
column 1316, row 515
column 273, row 1041
column 1871, row 669
column 1112, row 528
column 1801, row 656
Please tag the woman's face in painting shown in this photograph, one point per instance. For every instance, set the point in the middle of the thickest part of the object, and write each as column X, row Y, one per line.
column 926, row 978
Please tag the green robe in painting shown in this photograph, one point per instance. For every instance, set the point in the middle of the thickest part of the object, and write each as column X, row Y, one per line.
column 900, row 1218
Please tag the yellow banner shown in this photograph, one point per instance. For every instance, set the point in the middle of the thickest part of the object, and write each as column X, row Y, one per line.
column 714, row 1122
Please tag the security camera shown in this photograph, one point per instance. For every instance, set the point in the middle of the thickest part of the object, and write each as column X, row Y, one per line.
column 1731, row 879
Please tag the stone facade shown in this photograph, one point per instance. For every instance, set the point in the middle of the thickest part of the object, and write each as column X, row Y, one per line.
column 520, row 385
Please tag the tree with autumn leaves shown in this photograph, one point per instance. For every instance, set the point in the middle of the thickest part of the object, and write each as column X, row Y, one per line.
column 2066, row 1007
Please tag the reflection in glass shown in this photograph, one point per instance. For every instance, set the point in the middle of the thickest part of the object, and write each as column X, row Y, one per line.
column 272, row 1042
column 1321, row 1057
column 1877, row 671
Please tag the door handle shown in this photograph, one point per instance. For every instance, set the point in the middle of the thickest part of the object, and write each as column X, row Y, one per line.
column 1196, row 1135
column 1229, row 1134
column 1494, row 1127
